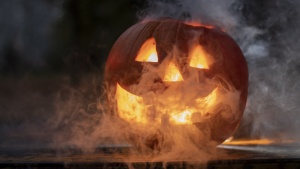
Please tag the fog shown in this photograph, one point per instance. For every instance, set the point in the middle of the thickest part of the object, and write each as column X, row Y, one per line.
column 268, row 36
column 70, row 108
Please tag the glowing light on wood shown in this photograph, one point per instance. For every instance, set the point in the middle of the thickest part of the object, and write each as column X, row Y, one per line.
column 172, row 74
column 250, row 142
column 130, row 107
column 198, row 58
column 147, row 52
column 246, row 142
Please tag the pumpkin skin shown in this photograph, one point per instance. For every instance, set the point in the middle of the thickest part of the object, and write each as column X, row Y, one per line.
column 229, row 67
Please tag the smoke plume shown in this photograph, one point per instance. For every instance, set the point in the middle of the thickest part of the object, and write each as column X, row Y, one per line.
column 268, row 34
column 269, row 42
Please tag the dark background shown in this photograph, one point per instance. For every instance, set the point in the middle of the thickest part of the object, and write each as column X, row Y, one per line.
column 48, row 46
column 61, row 35
column 52, row 56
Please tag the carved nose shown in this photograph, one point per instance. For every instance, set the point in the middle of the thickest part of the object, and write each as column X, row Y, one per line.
column 172, row 73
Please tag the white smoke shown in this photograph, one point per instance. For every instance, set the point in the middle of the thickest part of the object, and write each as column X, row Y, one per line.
column 162, row 141
column 269, row 43
column 268, row 35
column 272, row 58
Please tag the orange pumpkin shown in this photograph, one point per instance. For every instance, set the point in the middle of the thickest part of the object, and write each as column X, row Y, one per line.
column 168, row 69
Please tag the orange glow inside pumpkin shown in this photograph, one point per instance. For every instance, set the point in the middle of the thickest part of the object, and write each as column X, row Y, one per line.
column 197, row 24
column 198, row 58
column 194, row 23
column 134, row 108
column 147, row 52
column 172, row 74
column 182, row 117
column 130, row 106
column 209, row 100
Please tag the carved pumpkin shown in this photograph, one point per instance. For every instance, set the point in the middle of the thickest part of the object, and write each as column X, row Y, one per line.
column 169, row 71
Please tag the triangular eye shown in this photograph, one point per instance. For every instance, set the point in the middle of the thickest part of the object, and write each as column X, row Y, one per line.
column 147, row 52
column 199, row 58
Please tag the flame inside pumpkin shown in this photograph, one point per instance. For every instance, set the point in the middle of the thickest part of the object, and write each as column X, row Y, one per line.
column 175, row 90
column 147, row 53
column 173, row 102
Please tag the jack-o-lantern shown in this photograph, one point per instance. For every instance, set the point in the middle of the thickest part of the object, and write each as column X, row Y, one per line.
column 169, row 71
